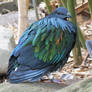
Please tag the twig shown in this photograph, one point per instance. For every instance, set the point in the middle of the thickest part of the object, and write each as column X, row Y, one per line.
column 84, row 61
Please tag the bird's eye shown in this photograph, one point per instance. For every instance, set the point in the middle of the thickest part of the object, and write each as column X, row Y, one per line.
column 58, row 13
column 66, row 18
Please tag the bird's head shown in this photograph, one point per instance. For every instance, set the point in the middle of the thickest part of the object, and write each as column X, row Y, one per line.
column 62, row 13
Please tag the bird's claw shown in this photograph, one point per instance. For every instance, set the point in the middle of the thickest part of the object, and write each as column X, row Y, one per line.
column 57, row 81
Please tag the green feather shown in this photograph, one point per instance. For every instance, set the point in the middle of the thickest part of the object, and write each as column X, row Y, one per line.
column 45, row 58
column 36, row 55
column 44, row 43
column 53, row 51
column 37, row 49
column 58, row 34
column 42, row 53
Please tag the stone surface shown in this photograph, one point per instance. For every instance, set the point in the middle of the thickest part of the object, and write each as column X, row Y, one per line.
column 30, row 87
column 6, row 46
column 4, row 57
column 82, row 86
column 12, row 18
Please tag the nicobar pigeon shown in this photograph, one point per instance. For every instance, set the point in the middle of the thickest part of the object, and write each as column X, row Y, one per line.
column 43, row 48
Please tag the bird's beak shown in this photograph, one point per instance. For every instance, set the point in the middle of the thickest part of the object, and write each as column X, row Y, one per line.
column 69, row 15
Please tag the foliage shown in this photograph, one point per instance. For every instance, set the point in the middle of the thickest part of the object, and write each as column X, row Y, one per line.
column 76, row 50
column 90, row 6
column 36, row 11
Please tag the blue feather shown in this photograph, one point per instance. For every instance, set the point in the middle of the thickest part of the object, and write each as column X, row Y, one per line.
column 44, row 47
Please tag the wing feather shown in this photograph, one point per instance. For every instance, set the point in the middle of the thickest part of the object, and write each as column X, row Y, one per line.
column 52, row 39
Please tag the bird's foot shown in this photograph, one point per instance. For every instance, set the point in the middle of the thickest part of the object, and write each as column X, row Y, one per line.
column 46, row 80
column 57, row 81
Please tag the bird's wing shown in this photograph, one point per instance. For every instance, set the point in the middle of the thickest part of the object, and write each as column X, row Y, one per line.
column 51, row 38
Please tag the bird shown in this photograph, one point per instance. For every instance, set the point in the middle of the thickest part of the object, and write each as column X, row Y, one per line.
column 44, row 47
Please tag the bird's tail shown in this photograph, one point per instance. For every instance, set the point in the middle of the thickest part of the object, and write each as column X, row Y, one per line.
column 25, row 74
column 11, row 65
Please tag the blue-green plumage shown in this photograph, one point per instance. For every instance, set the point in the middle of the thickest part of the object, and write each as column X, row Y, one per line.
column 44, row 47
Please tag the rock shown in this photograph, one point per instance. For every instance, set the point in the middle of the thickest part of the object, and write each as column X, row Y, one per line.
column 4, row 57
column 6, row 46
column 10, row 6
column 30, row 87
column 82, row 86
column 12, row 18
